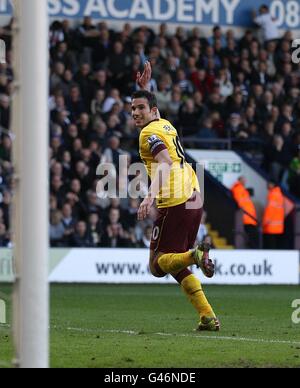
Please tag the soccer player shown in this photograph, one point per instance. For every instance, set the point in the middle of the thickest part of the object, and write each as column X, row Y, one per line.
column 175, row 187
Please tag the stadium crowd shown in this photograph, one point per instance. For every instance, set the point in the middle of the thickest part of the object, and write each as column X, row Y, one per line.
column 218, row 88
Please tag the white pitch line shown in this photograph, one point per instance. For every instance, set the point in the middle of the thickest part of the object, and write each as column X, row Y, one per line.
column 197, row 336
column 81, row 330
column 215, row 337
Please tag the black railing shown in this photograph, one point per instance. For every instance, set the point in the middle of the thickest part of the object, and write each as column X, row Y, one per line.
column 222, row 211
column 297, row 226
column 224, row 144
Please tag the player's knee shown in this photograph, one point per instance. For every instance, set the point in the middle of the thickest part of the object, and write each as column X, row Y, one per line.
column 155, row 268
column 157, row 275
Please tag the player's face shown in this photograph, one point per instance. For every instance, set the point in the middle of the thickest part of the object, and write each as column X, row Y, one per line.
column 141, row 112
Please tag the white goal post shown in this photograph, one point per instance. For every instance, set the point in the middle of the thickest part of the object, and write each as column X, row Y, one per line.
column 30, row 218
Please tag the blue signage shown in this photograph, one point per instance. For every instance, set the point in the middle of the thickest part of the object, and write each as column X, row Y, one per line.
column 210, row 12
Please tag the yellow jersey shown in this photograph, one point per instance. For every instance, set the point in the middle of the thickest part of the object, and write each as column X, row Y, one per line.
column 155, row 137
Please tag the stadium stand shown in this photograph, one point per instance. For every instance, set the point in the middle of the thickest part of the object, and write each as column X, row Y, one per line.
column 221, row 93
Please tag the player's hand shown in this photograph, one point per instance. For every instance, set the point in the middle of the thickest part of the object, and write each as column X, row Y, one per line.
column 144, row 79
column 145, row 208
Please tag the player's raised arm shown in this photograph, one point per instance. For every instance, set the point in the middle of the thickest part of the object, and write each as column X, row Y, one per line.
column 143, row 80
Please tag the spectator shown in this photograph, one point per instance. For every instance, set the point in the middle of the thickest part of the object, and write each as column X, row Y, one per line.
column 226, row 86
column 294, row 175
column 61, row 53
column 163, row 96
column 174, row 105
column 4, row 111
column 189, row 118
column 97, row 103
column 57, row 229
column 75, row 103
column 4, row 239
column 95, row 229
column 88, row 33
column 113, row 98
column 114, row 234
column 146, row 239
column 93, row 203
column 184, row 84
column 261, row 77
column 81, row 237
column 57, row 73
column 101, row 82
column 6, row 149
column 243, row 199
column 277, row 158
column 58, row 188
column 207, row 132
column 66, row 82
column 217, row 35
column 267, row 24
column 273, row 219
column 131, row 213
column 118, row 62
column 6, row 208
column 113, row 152
column 235, row 126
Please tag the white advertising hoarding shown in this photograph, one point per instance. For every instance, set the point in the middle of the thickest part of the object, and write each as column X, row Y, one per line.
column 131, row 266
column 256, row 267
column 6, row 266
column 105, row 266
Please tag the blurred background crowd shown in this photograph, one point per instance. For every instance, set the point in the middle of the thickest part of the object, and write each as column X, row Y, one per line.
column 220, row 92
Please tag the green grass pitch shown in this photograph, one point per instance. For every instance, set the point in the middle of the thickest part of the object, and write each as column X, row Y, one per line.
column 153, row 326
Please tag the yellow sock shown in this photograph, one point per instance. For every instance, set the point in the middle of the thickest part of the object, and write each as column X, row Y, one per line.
column 175, row 262
column 192, row 287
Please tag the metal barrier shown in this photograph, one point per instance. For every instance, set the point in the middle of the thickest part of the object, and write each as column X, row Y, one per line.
column 228, row 144
column 297, row 227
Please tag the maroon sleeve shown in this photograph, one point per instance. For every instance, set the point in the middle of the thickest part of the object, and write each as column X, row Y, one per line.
column 156, row 145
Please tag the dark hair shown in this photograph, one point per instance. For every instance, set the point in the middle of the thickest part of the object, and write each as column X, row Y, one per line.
column 264, row 7
column 150, row 97
column 274, row 182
